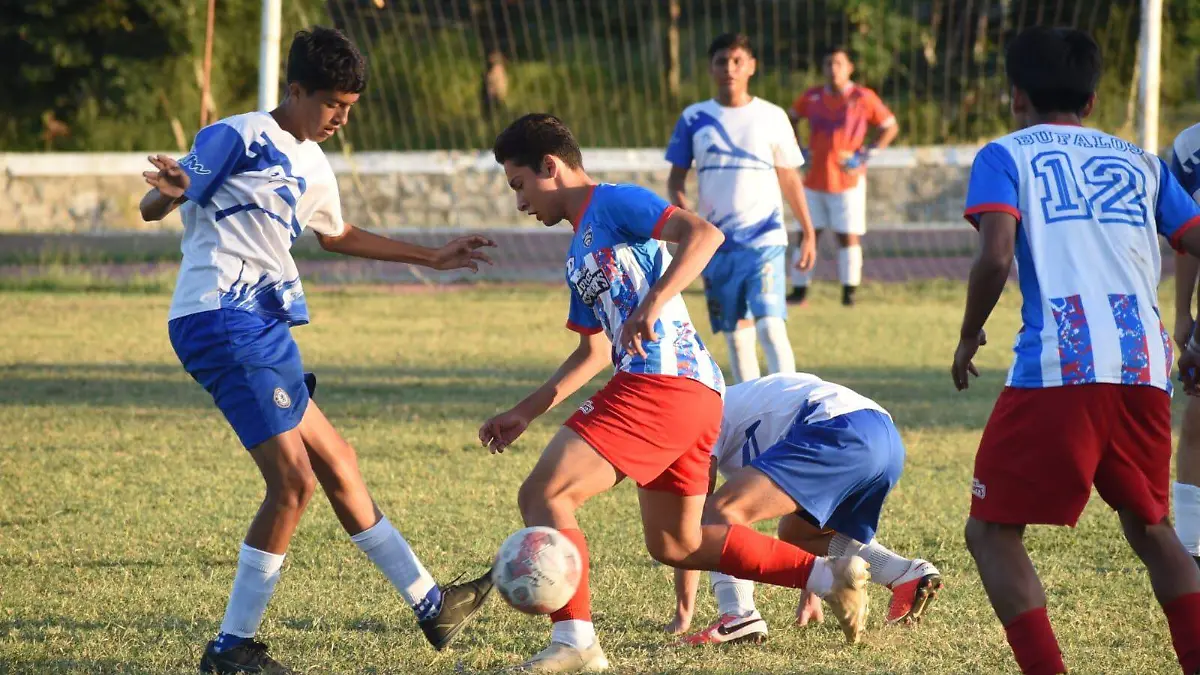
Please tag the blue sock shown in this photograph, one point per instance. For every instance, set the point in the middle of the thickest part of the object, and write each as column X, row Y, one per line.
column 430, row 606
column 227, row 641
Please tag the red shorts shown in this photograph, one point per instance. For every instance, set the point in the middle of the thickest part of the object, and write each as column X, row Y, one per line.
column 1044, row 449
column 657, row 429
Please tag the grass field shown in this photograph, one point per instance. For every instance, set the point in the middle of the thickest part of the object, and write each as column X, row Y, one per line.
column 124, row 495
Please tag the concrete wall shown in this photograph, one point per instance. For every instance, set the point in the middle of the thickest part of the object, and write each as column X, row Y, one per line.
column 99, row 192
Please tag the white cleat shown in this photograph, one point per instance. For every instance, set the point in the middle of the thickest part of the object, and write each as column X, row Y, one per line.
column 730, row 628
column 913, row 592
column 560, row 658
column 848, row 600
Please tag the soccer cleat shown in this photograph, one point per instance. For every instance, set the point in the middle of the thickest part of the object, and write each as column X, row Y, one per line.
column 249, row 656
column 798, row 296
column 728, row 629
column 460, row 604
column 560, row 658
column 913, row 592
column 848, row 599
column 848, row 295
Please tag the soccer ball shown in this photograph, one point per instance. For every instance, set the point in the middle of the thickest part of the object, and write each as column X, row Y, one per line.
column 537, row 570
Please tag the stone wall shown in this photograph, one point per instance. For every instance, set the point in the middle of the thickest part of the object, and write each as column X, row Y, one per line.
column 99, row 192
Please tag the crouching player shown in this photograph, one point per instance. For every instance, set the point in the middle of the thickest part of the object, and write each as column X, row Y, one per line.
column 828, row 457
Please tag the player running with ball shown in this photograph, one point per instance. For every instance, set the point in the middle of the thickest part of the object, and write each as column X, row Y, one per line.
column 248, row 188
column 1087, row 401
column 658, row 417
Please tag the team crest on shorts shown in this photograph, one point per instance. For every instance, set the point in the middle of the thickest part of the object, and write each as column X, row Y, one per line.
column 978, row 489
column 587, row 237
column 281, row 398
column 587, row 407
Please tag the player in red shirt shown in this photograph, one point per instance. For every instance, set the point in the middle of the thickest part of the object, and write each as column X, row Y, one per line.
column 839, row 114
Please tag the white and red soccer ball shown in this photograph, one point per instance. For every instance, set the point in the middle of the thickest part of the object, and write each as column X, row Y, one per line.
column 537, row 570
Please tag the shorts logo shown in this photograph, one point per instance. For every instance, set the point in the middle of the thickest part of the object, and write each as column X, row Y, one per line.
column 978, row 489
column 587, row 237
column 587, row 407
column 281, row 398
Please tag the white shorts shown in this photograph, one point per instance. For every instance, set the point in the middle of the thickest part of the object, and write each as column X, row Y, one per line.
column 842, row 212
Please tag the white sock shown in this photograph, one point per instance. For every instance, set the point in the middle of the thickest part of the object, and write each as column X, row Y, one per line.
column 885, row 565
column 574, row 633
column 1187, row 516
column 734, row 596
column 849, row 264
column 820, row 580
column 742, row 353
column 798, row 277
column 772, row 333
column 392, row 555
column 253, row 586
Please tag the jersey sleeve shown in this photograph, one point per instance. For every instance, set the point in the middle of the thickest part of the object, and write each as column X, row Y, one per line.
column 1175, row 212
column 326, row 218
column 992, row 186
column 581, row 318
column 1185, row 166
column 679, row 148
column 879, row 114
column 786, row 148
column 637, row 214
column 215, row 153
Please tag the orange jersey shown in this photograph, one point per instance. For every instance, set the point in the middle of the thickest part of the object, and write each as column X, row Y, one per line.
column 837, row 128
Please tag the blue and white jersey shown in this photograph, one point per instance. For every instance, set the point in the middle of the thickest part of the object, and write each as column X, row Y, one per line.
column 736, row 151
column 613, row 260
column 254, row 188
column 1185, row 161
column 760, row 412
column 1090, row 208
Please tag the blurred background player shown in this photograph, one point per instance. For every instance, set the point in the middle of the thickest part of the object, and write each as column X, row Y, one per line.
column 838, row 115
column 247, row 189
column 1185, row 166
column 746, row 155
column 836, row 455
column 1087, row 399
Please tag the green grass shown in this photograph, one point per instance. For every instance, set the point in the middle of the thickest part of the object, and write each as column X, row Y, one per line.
column 123, row 494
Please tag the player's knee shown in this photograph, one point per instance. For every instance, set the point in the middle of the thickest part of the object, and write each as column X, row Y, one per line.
column 671, row 550
column 536, row 498
column 976, row 534
column 295, row 488
column 723, row 509
column 1142, row 535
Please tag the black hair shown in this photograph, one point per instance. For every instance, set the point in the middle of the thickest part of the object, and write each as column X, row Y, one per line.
column 528, row 140
column 325, row 59
column 838, row 49
column 730, row 41
column 1058, row 68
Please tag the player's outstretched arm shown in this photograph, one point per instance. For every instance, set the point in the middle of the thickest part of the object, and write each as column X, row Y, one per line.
column 698, row 240
column 460, row 253
column 989, row 273
column 792, row 187
column 677, row 186
column 588, row 359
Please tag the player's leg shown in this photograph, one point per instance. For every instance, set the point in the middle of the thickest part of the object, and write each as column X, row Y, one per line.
column 442, row 612
column 850, row 223
column 1031, row 468
column 569, row 472
column 728, row 311
column 1187, row 480
column 1133, row 477
column 768, row 305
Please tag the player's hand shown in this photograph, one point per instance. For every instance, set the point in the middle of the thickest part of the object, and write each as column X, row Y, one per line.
column 1184, row 323
column 463, row 253
column 808, row 254
column 809, row 609
column 963, row 366
column 501, row 431
column 170, row 180
column 638, row 329
column 681, row 623
column 1189, row 362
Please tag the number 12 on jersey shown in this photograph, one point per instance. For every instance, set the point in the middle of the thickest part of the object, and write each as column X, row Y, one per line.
column 1106, row 188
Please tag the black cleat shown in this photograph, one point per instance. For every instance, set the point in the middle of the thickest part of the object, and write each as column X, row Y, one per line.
column 460, row 604
column 248, row 657
column 848, row 295
column 798, row 296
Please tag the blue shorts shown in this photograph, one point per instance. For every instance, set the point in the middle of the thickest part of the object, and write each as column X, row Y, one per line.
column 838, row 471
column 250, row 365
column 745, row 283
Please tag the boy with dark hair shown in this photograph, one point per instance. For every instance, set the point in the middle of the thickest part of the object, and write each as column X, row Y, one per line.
column 657, row 419
column 247, row 189
column 1087, row 400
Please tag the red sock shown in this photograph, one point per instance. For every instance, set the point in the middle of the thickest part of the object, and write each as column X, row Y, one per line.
column 1033, row 643
column 580, row 605
column 757, row 557
column 1183, row 616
